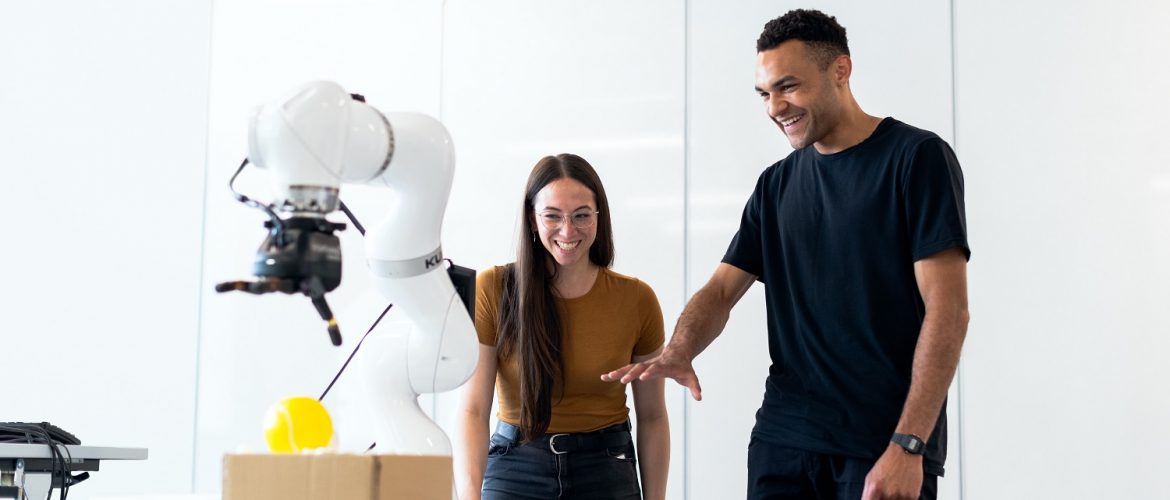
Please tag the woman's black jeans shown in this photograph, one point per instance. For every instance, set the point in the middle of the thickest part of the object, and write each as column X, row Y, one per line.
column 591, row 465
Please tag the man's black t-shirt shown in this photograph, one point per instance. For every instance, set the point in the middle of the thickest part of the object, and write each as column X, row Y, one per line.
column 834, row 239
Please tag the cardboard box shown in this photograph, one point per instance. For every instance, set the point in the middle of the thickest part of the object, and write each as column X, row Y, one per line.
column 336, row 477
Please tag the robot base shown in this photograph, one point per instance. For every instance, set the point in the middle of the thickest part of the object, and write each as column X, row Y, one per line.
column 400, row 425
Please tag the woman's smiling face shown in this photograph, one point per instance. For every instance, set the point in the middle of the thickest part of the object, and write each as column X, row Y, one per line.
column 558, row 204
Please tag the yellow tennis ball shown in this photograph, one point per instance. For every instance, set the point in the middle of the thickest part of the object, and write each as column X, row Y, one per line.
column 297, row 423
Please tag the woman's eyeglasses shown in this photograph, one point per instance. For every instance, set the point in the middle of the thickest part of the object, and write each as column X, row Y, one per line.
column 582, row 219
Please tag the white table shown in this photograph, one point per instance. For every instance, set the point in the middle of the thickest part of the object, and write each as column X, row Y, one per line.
column 27, row 469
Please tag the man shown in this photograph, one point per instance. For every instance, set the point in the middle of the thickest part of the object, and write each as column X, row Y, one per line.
column 859, row 237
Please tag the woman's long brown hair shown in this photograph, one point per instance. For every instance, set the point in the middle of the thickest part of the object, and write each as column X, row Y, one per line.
column 530, row 324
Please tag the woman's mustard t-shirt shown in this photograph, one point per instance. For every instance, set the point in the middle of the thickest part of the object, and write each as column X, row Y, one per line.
column 617, row 319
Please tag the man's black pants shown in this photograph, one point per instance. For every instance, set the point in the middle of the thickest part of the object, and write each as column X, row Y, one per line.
column 780, row 473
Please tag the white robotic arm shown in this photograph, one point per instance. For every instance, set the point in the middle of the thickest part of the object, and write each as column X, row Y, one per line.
column 318, row 137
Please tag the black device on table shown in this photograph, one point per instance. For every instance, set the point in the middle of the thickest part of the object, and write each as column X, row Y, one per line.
column 60, row 466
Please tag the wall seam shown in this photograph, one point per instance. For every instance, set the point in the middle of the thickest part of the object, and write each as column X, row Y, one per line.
column 686, row 228
column 442, row 65
column 959, row 371
column 202, row 248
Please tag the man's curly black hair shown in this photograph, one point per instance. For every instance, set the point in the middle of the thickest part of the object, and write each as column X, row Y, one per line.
column 821, row 32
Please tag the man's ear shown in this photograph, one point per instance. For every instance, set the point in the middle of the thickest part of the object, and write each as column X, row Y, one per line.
column 842, row 68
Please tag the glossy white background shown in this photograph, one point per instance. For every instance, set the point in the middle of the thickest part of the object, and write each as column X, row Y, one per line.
column 120, row 124
column 103, row 125
column 1065, row 134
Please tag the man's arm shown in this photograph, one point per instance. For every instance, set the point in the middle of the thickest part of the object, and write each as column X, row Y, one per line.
column 701, row 321
column 942, row 281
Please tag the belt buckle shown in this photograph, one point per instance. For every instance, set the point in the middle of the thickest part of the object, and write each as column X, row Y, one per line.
column 552, row 444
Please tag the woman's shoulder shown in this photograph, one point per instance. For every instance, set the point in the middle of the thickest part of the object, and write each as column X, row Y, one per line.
column 491, row 272
column 626, row 284
column 491, row 277
column 495, row 271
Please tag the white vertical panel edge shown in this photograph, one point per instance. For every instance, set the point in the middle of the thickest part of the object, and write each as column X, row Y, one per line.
column 202, row 244
column 961, row 491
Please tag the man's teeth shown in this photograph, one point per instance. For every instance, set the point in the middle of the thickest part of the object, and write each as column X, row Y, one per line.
column 792, row 120
column 567, row 246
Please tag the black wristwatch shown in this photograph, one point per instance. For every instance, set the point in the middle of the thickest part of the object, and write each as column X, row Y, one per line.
column 910, row 443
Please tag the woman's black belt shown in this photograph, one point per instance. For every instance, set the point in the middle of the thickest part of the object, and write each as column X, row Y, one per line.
column 568, row 442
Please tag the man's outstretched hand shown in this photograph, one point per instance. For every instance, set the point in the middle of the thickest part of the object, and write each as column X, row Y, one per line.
column 670, row 364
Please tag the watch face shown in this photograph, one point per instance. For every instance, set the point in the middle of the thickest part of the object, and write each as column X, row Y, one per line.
column 909, row 442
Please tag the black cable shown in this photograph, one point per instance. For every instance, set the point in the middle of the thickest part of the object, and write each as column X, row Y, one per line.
column 361, row 229
column 355, row 350
column 352, row 219
column 57, row 467
column 66, row 473
column 277, row 224
column 54, row 459
column 59, row 463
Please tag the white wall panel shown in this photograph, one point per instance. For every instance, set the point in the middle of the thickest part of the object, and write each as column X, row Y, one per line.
column 106, row 134
column 901, row 56
column 102, row 135
column 1062, row 128
column 601, row 79
column 256, row 350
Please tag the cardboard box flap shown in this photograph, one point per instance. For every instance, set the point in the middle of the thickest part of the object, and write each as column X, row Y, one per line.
column 336, row 477
column 402, row 477
column 322, row 477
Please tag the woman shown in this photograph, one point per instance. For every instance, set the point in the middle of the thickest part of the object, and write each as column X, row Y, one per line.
column 549, row 325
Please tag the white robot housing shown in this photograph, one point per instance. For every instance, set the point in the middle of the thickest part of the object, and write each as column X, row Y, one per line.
column 311, row 141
